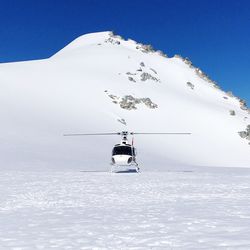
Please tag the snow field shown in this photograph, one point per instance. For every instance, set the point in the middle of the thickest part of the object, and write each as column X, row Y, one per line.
column 151, row 210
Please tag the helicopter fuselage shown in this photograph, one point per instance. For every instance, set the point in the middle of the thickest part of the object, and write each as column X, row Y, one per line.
column 123, row 155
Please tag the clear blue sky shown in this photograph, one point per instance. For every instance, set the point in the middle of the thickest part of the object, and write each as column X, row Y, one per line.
column 214, row 34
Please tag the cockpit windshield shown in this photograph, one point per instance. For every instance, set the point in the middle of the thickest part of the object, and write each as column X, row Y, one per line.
column 122, row 150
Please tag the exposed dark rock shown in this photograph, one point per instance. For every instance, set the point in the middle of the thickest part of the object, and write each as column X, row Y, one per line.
column 153, row 70
column 112, row 41
column 243, row 104
column 142, row 64
column 205, row 77
column 129, row 102
column 131, row 79
column 112, row 96
column 122, row 121
column 230, row 94
column 113, row 35
column 145, row 48
column 232, row 112
column 161, row 53
column 190, row 85
column 146, row 76
column 245, row 134
column 149, row 103
column 216, row 86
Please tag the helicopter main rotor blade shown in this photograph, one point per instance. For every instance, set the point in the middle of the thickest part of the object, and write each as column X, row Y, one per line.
column 132, row 133
column 92, row 134
column 126, row 133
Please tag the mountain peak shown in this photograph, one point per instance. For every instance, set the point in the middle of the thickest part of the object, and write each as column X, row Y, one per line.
column 106, row 38
column 87, row 39
column 102, row 82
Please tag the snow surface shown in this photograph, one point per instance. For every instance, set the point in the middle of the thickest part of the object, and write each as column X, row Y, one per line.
column 42, row 100
column 50, row 199
column 184, row 209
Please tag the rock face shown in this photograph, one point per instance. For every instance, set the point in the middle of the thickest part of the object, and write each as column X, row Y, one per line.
column 190, row 85
column 112, row 41
column 122, row 121
column 245, row 134
column 131, row 79
column 243, row 105
column 130, row 102
column 142, row 64
column 145, row 48
column 232, row 112
column 142, row 74
column 146, row 76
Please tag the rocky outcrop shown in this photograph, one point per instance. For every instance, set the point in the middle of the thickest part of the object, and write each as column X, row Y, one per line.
column 243, row 105
column 245, row 134
column 198, row 71
column 153, row 70
column 161, row 53
column 131, row 79
column 142, row 64
column 145, row 48
column 232, row 112
column 112, row 41
column 147, row 76
column 122, row 121
column 206, row 78
column 230, row 94
column 190, row 85
column 142, row 74
column 130, row 102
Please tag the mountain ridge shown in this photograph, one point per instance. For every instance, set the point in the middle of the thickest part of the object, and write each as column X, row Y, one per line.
column 102, row 83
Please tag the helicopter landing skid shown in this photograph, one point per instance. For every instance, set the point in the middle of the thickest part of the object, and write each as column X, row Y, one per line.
column 125, row 169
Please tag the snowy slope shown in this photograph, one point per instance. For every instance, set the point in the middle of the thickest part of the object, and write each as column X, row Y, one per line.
column 75, row 91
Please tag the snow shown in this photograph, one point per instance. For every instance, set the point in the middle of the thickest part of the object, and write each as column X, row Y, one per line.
column 42, row 100
column 56, row 192
column 177, row 209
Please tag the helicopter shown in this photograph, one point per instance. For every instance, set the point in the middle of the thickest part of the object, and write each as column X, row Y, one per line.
column 123, row 156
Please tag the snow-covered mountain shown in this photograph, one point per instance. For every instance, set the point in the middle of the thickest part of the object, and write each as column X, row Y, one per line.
column 103, row 83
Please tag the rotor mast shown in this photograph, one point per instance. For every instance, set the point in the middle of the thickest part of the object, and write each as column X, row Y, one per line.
column 124, row 139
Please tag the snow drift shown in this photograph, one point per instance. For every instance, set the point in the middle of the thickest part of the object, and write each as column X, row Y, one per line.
column 102, row 83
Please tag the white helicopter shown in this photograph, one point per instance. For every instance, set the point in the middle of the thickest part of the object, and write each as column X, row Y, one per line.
column 123, row 159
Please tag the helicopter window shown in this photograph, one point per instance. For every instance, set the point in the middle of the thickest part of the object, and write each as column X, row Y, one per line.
column 122, row 150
